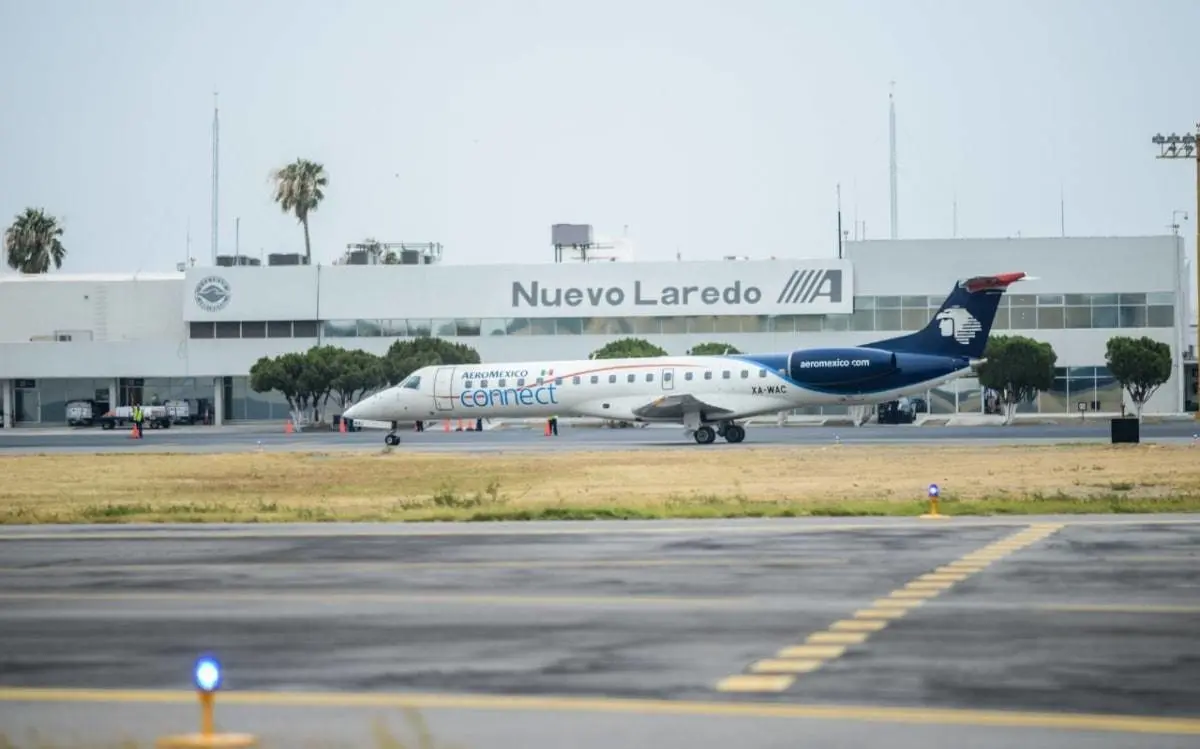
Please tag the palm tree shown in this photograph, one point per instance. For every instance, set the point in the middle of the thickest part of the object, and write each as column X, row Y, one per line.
column 298, row 191
column 32, row 243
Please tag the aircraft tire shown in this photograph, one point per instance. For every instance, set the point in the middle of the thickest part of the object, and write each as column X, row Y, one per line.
column 705, row 435
column 734, row 433
column 391, row 440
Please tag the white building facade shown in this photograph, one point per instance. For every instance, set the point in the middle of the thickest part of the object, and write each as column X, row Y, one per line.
column 194, row 335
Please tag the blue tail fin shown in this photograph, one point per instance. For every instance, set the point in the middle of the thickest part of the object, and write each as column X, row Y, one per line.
column 963, row 322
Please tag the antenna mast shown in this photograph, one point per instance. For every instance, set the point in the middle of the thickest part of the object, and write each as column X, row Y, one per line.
column 892, row 149
column 216, row 136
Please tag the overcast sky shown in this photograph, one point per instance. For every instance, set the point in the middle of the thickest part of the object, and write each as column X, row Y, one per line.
column 707, row 128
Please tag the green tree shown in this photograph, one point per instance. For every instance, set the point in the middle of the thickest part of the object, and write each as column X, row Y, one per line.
column 299, row 190
column 358, row 372
column 32, row 243
column 1017, row 368
column 322, row 365
column 713, row 348
column 627, row 348
column 405, row 357
column 282, row 374
column 1141, row 365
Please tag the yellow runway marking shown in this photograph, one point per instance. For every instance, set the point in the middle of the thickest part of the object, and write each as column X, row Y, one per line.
column 897, row 603
column 880, row 613
column 857, row 625
column 786, row 666
column 813, row 651
column 868, row 713
column 755, row 683
column 855, row 631
column 837, row 638
column 206, row 597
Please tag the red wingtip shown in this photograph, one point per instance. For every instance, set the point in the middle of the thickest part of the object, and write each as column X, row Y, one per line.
column 998, row 281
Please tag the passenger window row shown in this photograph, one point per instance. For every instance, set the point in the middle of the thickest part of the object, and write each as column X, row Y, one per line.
column 612, row 379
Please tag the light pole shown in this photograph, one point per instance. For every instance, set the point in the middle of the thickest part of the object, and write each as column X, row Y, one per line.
column 1187, row 146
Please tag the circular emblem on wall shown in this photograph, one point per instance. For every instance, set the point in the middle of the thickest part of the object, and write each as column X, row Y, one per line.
column 212, row 293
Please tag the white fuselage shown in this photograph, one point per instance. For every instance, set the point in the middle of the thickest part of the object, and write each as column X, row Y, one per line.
column 601, row 388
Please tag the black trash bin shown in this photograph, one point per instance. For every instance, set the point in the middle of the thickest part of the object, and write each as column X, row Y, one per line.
column 1126, row 429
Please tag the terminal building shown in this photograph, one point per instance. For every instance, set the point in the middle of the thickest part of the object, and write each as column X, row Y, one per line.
column 194, row 334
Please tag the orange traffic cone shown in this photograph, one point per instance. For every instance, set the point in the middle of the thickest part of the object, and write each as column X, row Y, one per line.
column 547, row 433
column 287, row 427
column 342, row 425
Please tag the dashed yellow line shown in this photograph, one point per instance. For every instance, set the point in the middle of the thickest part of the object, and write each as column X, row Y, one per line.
column 827, row 645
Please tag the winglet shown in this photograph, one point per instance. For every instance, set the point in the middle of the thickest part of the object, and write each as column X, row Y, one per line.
column 986, row 283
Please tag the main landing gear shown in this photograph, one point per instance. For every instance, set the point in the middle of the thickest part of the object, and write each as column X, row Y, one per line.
column 392, row 439
column 706, row 435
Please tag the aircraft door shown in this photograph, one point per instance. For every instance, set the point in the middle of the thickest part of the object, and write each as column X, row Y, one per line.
column 668, row 379
column 443, row 388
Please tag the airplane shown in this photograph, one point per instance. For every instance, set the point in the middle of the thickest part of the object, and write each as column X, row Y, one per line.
column 708, row 395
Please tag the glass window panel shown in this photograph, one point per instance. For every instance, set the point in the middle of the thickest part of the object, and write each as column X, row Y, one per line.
column 394, row 328
column 1082, row 389
column 1001, row 320
column 466, row 327
column 1054, row 400
column 1131, row 299
column 942, row 400
column 970, row 396
column 369, row 328
column 1049, row 300
column 1160, row 316
column 754, row 324
column 887, row 302
column 646, row 326
column 863, row 319
column 1104, row 299
column 569, row 326
column 1079, row 317
column 782, row 323
column 541, row 326
column 229, row 330
column 807, row 323
column 304, row 328
column 915, row 319
column 1161, row 297
column 207, row 330
column 887, row 319
column 836, row 323
column 1050, row 318
column 864, row 302
column 1080, row 372
column 700, row 324
column 340, row 328
column 1108, row 393
column 279, row 329
column 254, row 330
column 1022, row 300
column 514, row 326
column 727, row 324
column 492, row 326
column 1079, row 300
column 444, row 327
column 914, row 301
column 1022, row 318
column 1131, row 316
column 1104, row 316
column 419, row 327
column 935, row 302
column 673, row 325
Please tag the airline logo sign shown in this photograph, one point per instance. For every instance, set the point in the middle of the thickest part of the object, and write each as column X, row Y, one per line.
column 822, row 288
column 807, row 286
column 958, row 323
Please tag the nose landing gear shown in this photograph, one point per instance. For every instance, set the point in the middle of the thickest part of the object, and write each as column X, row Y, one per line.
column 392, row 439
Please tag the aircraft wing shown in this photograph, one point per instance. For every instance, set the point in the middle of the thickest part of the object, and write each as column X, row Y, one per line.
column 674, row 407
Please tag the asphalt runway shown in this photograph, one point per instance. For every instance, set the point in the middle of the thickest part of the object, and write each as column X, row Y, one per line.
column 215, row 439
column 1048, row 632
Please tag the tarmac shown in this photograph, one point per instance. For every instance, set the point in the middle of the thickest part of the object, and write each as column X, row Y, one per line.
column 273, row 437
column 1076, row 631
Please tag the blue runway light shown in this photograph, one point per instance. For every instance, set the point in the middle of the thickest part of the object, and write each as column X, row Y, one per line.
column 208, row 674
column 933, row 490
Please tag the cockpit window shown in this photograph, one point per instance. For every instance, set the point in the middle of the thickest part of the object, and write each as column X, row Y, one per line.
column 412, row 383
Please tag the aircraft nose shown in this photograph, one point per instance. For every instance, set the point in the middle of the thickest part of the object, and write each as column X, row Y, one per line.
column 355, row 411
